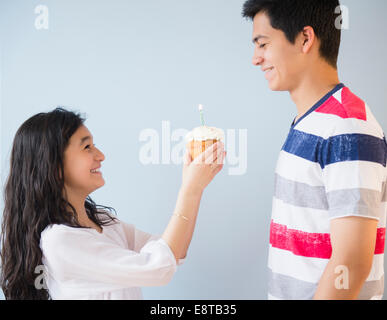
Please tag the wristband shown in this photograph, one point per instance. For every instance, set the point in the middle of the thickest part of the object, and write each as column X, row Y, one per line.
column 179, row 215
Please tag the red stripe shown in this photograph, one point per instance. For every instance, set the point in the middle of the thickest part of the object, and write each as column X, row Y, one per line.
column 380, row 240
column 312, row 245
column 351, row 106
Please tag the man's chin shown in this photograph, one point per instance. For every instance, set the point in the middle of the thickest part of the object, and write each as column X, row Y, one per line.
column 273, row 86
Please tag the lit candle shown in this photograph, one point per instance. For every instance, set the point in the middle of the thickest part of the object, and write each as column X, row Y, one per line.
column 201, row 114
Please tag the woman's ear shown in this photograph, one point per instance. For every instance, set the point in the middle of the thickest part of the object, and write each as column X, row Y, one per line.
column 308, row 39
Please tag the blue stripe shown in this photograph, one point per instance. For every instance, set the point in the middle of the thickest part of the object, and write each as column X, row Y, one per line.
column 303, row 145
column 346, row 147
column 352, row 147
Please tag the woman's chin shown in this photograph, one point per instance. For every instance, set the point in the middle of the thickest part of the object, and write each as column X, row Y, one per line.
column 102, row 183
column 98, row 186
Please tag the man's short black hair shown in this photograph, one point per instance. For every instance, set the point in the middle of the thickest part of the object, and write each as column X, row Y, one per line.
column 291, row 16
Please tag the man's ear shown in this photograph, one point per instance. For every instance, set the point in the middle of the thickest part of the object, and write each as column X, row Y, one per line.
column 308, row 38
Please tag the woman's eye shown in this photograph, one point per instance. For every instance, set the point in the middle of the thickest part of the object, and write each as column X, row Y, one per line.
column 89, row 146
column 262, row 45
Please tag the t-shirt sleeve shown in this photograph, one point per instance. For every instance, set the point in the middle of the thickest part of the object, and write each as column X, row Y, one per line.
column 71, row 255
column 354, row 174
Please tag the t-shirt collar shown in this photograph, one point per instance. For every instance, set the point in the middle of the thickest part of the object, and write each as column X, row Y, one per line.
column 319, row 103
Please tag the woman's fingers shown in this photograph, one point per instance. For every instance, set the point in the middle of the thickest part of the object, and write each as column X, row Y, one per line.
column 208, row 154
column 219, row 154
column 218, row 165
column 211, row 154
column 200, row 172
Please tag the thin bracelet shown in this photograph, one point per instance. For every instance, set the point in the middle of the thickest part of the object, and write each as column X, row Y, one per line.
column 181, row 216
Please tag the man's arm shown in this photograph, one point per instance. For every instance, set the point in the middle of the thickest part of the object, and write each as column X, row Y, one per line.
column 353, row 245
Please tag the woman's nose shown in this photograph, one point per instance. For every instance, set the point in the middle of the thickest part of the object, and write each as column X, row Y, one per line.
column 99, row 155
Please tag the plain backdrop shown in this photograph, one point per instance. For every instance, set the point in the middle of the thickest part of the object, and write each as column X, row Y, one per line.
column 129, row 65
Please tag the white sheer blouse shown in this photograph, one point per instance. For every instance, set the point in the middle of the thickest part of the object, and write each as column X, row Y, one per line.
column 85, row 264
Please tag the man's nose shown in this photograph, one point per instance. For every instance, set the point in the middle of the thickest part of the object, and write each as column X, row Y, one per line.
column 257, row 58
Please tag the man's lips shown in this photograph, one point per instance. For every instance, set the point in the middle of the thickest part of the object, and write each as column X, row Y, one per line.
column 267, row 71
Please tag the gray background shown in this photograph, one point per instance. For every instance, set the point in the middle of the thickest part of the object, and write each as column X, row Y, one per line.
column 131, row 64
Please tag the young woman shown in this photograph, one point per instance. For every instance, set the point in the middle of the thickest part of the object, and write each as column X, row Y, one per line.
column 50, row 223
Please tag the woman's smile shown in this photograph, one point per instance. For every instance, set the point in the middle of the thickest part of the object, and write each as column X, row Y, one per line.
column 96, row 171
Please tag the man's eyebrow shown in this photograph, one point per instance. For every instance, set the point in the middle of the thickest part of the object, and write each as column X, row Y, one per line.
column 257, row 38
column 84, row 139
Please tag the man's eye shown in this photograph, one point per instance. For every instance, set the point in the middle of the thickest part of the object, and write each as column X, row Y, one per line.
column 262, row 45
column 87, row 147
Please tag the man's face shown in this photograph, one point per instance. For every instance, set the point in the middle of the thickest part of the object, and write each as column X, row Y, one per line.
column 281, row 61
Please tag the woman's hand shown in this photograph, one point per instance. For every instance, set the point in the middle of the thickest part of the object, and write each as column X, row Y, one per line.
column 198, row 173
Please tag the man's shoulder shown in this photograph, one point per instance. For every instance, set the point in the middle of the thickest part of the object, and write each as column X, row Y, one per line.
column 344, row 104
column 344, row 113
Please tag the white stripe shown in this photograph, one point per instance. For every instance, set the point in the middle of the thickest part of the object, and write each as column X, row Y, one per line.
column 328, row 125
column 311, row 220
column 354, row 174
column 302, row 268
column 384, row 192
column 371, row 119
column 383, row 215
column 377, row 270
column 299, row 218
column 337, row 95
column 377, row 298
column 292, row 167
column 311, row 269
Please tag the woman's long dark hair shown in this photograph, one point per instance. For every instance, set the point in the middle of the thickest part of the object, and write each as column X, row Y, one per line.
column 34, row 199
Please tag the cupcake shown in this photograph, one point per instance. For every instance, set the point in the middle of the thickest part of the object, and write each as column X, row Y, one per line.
column 200, row 138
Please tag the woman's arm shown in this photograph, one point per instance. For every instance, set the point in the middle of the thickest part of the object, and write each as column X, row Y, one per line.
column 197, row 175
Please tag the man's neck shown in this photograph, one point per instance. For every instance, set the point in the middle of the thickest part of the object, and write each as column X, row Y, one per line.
column 312, row 88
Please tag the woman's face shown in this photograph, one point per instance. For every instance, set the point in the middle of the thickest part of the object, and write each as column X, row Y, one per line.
column 82, row 163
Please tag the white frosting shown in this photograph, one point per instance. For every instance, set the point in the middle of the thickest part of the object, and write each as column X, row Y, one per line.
column 205, row 133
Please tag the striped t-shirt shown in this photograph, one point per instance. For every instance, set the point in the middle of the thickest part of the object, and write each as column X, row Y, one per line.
column 333, row 164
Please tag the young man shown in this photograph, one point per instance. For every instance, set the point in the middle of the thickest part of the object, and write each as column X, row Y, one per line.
column 330, row 202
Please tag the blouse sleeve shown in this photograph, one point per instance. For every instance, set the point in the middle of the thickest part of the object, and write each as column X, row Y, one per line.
column 73, row 255
column 137, row 239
